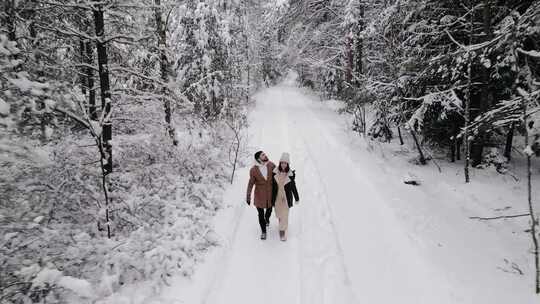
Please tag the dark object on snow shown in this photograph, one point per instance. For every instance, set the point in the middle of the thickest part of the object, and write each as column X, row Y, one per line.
column 411, row 179
column 263, row 236
column 412, row 182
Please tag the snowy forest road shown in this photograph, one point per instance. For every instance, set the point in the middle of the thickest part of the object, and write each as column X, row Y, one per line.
column 358, row 235
column 343, row 245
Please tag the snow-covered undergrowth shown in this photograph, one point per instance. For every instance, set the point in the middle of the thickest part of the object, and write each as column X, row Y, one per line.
column 54, row 246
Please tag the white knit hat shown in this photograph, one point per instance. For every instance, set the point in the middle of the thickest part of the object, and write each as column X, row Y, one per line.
column 285, row 158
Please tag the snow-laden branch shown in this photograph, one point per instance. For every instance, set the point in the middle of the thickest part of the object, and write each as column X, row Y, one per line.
column 473, row 47
column 532, row 53
column 509, row 111
column 73, row 116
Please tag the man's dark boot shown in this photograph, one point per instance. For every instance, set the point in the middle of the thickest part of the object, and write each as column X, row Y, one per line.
column 263, row 236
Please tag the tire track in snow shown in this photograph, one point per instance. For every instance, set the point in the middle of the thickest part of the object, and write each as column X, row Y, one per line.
column 221, row 271
column 212, row 290
column 332, row 284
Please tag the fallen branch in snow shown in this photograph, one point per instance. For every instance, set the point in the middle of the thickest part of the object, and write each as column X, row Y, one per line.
column 498, row 217
column 512, row 175
column 514, row 266
column 432, row 159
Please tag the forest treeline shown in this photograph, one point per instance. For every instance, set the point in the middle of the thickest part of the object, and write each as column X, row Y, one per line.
column 120, row 121
column 435, row 68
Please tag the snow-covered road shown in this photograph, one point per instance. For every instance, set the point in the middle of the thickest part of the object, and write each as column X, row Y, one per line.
column 346, row 243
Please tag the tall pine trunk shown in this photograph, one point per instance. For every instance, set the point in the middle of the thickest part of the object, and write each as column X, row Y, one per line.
column 105, row 87
column 106, row 134
column 466, row 141
column 486, row 96
column 467, row 117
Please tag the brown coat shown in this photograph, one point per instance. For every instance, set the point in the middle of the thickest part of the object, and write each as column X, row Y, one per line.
column 263, row 187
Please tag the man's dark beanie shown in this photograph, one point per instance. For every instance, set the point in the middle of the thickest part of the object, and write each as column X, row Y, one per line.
column 257, row 154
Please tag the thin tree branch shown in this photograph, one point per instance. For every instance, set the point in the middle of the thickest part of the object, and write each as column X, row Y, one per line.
column 498, row 217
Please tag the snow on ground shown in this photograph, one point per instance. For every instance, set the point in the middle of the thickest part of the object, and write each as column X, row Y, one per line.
column 359, row 234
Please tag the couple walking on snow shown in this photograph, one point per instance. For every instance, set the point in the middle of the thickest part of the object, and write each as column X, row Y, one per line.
column 274, row 187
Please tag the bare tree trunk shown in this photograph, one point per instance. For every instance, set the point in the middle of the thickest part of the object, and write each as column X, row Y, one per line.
column 89, row 60
column 486, row 97
column 420, row 152
column 509, row 142
column 534, row 220
column 236, row 149
column 458, row 149
column 106, row 136
column 466, row 140
column 359, row 45
column 248, row 59
column 364, row 123
column 87, row 76
column 453, row 149
column 248, row 80
column 105, row 87
column 161, row 28
column 82, row 73
column 400, row 137
column 349, row 60
column 46, row 117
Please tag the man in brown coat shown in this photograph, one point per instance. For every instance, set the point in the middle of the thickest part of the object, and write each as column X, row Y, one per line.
column 260, row 176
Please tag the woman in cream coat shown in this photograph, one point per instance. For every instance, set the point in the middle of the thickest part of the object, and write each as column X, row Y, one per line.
column 283, row 191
